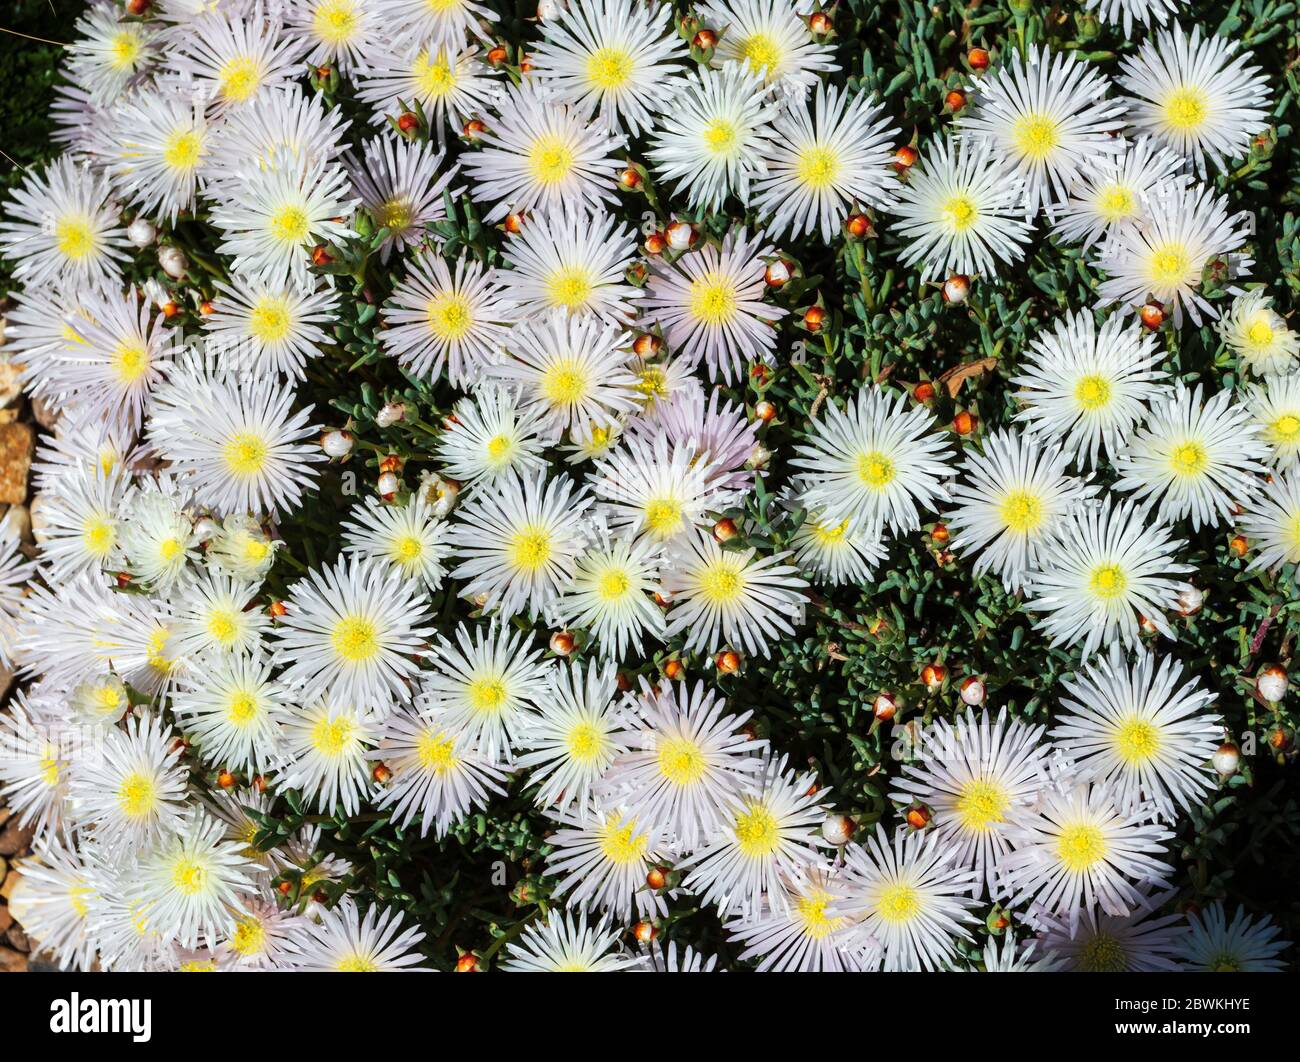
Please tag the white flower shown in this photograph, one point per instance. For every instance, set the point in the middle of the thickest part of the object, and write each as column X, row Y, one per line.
column 1258, row 334
column 350, row 631
column 613, row 58
column 1195, row 460
column 217, row 614
column 259, row 936
column 446, row 23
column 338, row 32
column 1194, row 95
column 710, row 305
column 1109, row 565
column 835, row 552
column 488, row 437
column 1272, row 522
column 568, row 944
column 611, row 594
column 601, row 860
column 573, row 367
column 1047, row 115
column 826, row 161
column 1088, row 387
column 190, row 882
column 541, row 154
column 108, row 55
column 1187, row 228
column 408, row 538
column 269, row 221
column 438, row 776
column 957, row 211
column 572, row 260
column 767, row 38
column 1077, row 852
column 15, row 571
column 276, row 327
column 720, row 431
column 906, row 900
column 1127, row 12
column 1212, row 944
column 448, row 84
column 399, row 185
column 800, row 934
column 972, row 776
column 874, row 463
column 685, row 762
column 482, row 686
column 326, row 743
column 233, row 709
column 132, row 786
column 158, row 144
column 771, row 833
column 1103, row 943
column 713, row 140
column 49, row 900
column 573, row 736
column 37, row 751
column 83, row 530
column 247, row 453
column 1140, row 732
column 241, row 548
column 435, row 318
column 733, row 598
column 1111, row 194
column 1013, row 496
column 234, row 60
column 158, row 537
column 344, row 941
column 517, row 545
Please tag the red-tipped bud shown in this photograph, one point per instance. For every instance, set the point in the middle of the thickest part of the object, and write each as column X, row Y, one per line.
column 978, row 59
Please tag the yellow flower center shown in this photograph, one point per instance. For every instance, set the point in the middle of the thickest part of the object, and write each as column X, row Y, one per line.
column 620, row 842
column 333, row 737
column 269, row 319
column 245, row 454
column 757, row 833
column 189, row 876
column 550, row 159
column 1286, row 428
column 827, row 534
column 106, row 699
column 585, row 743
column 818, row 167
column 395, row 214
column 613, row 585
column 898, row 903
column 1102, row 954
column 565, row 383
column 335, row 21
column 1092, row 392
column 720, row 136
column 124, row 49
column 720, row 583
column 681, row 761
column 1021, row 511
column 1259, row 333
column 223, row 626
column 1168, row 265
column 663, row 517
column 810, row 910
column 609, row 68
column 1186, row 108
column 75, row 239
column 249, row 938
column 982, row 804
column 355, row 639
column 435, row 751
column 1081, row 846
column 356, row 963
column 1036, row 136
column 239, row 78
column 434, row 76
column 1108, row 582
column 1115, row 202
column 530, row 549
column 241, row 708
column 1188, row 459
column 291, row 225
column 1137, row 740
column 713, row 299
column 876, row 470
column 182, row 150
column 487, row 694
column 570, row 286
column 98, row 536
column 960, row 212
column 407, row 549
column 450, row 316
column 130, row 362
column 761, row 52
column 137, row 795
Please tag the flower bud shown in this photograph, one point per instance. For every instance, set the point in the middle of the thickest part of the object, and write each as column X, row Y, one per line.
column 681, row 236
column 467, row 963
column 674, row 669
column 562, row 643
column 473, row 129
column 514, row 223
column 391, row 413
column 496, row 56
column 777, row 274
column 764, row 411
column 141, row 232
column 838, row 830
column 933, row 675
column 820, row 23
column 278, row 609
column 964, row 422
column 407, row 122
column 388, row 486
column 320, row 256
column 972, row 691
column 1239, row 545
column 381, row 773
column 630, row 179
column 226, row 780
column 954, row 101
column 1271, row 683
column 647, row 345
column 858, row 226
column 905, row 158
column 884, row 706
column 644, row 932
column 337, row 443
column 956, row 289
column 728, row 661
column 924, row 391
column 940, row 534
column 137, row 8
column 918, row 817
column 1152, row 316
column 1226, row 759
column 655, row 243
column 725, row 529
column 656, row 878
column 977, row 59
column 705, row 39
column 813, row 318
column 173, row 261
column 1189, row 600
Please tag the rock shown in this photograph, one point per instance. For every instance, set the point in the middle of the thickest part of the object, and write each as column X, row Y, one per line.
column 15, row 837
column 6, row 919
column 20, row 940
column 16, row 443
column 4, row 817
column 11, row 385
column 20, row 519
column 6, row 681
column 39, row 516
column 47, row 416
column 12, row 961
column 10, row 883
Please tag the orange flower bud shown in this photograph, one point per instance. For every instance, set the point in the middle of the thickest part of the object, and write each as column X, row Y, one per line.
column 725, row 529
column 407, row 122
column 206, row 308
column 226, row 780
column 474, row 129
column 924, row 391
column 705, row 39
column 940, row 534
column 977, row 59
column 655, row 243
column 884, row 706
column 644, row 932
column 630, row 179
column 728, row 661
column 681, row 235
column 764, row 411
column 467, row 963
column 674, row 669
column 933, row 675
column 562, row 643
column 964, row 422
column 858, row 226
column 647, row 345
column 1239, row 545
column 955, row 100
column 905, row 158
column 514, row 223
column 777, row 274
column 1152, row 315
column 820, row 23
column 320, row 256
column 918, row 818
column 496, row 56
column 656, row 878
column 813, row 318
column 278, row 609
column 381, row 773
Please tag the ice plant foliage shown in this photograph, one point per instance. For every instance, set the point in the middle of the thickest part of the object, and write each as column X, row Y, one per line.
column 593, row 435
